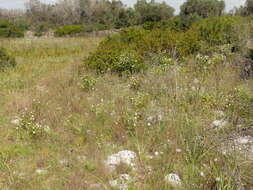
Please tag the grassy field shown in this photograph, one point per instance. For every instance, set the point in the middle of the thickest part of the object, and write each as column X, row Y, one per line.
column 59, row 126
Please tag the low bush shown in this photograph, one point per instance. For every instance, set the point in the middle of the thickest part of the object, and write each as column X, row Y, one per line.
column 75, row 30
column 131, row 49
column 9, row 30
column 220, row 30
column 96, row 27
column 6, row 60
column 88, row 83
column 176, row 24
column 171, row 37
column 121, row 62
column 69, row 30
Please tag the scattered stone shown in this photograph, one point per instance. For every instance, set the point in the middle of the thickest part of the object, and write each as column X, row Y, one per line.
column 123, row 157
column 155, row 118
column 81, row 159
column 16, row 121
column 173, row 179
column 150, row 157
column 218, row 124
column 202, row 174
column 240, row 144
column 46, row 128
column 122, row 182
column 178, row 150
column 96, row 186
column 63, row 162
column 220, row 113
column 244, row 140
column 196, row 81
column 41, row 171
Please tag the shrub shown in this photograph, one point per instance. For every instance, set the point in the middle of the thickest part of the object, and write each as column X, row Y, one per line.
column 240, row 105
column 129, row 62
column 6, row 60
column 96, row 27
column 220, row 30
column 88, row 83
column 69, row 30
column 74, row 30
column 204, row 63
column 127, row 51
column 121, row 62
column 169, row 37
column 162, row 59
column 176, row 24
column 9, row 30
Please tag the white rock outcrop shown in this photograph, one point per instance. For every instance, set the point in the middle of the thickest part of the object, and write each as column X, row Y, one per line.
column 243, row 140
column 173, row 179
column 219, row 124
column 126, row 157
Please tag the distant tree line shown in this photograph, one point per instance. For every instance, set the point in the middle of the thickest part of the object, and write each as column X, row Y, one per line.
column 106, row 14
column 110, row 13
column 245, row 10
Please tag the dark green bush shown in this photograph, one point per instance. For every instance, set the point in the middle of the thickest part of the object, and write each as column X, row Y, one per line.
column 69, row 30
column 176, row 24
column 9, row 30
column 220, row 30
column 130, row 50
column 116, row 61
column 170, row 37
column 75, row 30
column 6, row 60
column 96, row 27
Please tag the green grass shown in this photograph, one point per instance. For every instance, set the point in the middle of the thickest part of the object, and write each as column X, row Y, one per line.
column 114, row 114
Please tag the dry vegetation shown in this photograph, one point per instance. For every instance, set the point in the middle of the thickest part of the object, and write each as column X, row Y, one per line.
column 58, row 128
